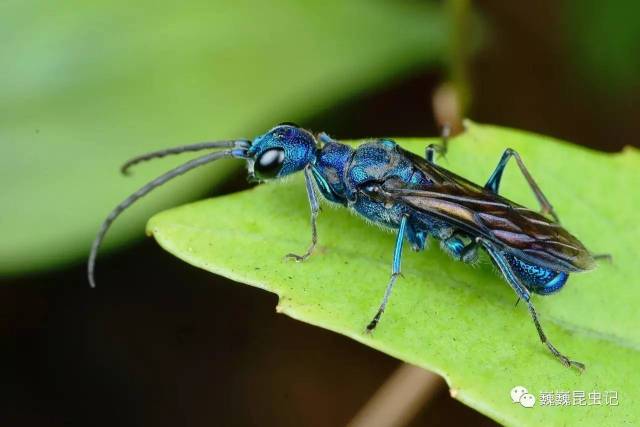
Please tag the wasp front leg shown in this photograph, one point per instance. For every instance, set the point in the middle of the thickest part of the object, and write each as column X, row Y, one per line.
column 315, row 209
column 326, row 139
column 493, row 184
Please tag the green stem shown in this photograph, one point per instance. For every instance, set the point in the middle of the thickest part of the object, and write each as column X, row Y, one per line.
column 460, row 14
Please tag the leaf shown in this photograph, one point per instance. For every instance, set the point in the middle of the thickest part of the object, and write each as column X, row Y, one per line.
column 87, row 85
column 446, row 316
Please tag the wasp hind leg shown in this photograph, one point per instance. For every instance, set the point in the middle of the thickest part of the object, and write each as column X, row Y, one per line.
column 315, row 209
column 459, row 250
column 603, row 257
column 395, row 272
column 521, row 291
column 493, row 184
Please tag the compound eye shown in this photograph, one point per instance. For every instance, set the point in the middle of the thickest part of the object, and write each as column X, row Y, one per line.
column 269, row 163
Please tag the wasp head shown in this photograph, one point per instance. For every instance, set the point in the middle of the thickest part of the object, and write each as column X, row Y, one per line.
column 283, row 150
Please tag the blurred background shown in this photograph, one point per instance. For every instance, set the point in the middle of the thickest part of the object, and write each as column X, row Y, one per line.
column 84, row 86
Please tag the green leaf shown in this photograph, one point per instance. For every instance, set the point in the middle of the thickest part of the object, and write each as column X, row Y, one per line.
column 87, row 85
column 446, row 316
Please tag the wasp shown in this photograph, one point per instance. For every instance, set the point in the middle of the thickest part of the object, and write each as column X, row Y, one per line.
column 410, row 194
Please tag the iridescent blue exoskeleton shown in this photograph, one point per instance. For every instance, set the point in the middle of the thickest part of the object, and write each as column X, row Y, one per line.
column 397, row 189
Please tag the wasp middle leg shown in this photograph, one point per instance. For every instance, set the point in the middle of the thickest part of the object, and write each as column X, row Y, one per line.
column 441, row 148
column 395, row 272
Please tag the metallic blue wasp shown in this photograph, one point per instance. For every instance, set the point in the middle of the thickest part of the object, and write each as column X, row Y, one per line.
column 397, row 189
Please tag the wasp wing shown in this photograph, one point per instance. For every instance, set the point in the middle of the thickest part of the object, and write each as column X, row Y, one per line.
column 480, row 212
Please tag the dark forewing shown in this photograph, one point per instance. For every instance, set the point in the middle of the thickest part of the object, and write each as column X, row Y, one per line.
column 481, row 212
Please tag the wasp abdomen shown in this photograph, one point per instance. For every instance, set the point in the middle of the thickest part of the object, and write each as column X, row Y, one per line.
column 536, row 278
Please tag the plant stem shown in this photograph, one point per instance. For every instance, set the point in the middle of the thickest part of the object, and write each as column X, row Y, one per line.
column 399, row 399
column 460, row 15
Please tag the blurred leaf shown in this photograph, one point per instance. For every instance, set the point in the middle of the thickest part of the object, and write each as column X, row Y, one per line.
column 86, row 85
column 603, row 39
column 446, row 316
